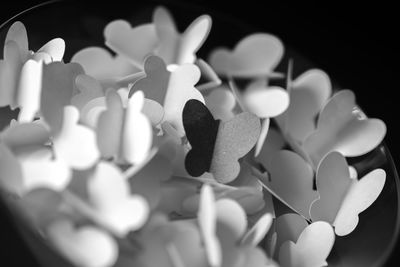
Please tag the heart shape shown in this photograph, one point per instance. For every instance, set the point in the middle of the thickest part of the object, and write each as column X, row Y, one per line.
column 100, row 64
column 254, row 56
column 133, row 43
column 311, row 249
column 342, row 127
column 84, row 246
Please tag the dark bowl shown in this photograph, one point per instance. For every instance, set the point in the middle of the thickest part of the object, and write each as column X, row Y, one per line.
column 81, row 24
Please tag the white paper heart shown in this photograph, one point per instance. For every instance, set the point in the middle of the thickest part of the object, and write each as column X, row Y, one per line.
column 291, row 181
column 115, row 208
column 133, row 43
column 342, row 198
column 254, row 56
column 311, row 248
column 176, row 48
column 84, row 246
column 221, row 102
column 76, row 144
column 339, row 128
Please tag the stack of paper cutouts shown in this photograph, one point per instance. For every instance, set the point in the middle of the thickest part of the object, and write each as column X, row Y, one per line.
column 140, row 153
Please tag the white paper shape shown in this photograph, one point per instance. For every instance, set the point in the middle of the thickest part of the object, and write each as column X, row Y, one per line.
column 109, row 195
column 273, row 143
column 308, row 94
column 339, row 128
column 55, row 48
column 209, row 79
column 29, row 90
column 171, row 89
column 176, row 48
column 10, row 68
column 100, row 64
column 30, row 170
column 134, row 43
column 84, row 246
column 125, row 134
column 232, row 215
column 341, row 197
column 266, row 102
column 311, row 248
column 89, row 89
column 258, row 231
column 76, row 144
column 288, row 227
column 16, row 54
column 207, row 217
column 254, row 56
column 17, row 33
column 180, row 89
column 23, row 137
column 221, row 102
column 291, row 181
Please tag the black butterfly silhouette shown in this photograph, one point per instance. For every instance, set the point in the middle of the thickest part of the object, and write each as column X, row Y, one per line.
column 217, row 146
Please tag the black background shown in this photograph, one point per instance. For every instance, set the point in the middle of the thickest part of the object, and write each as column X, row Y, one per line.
column 357, row 45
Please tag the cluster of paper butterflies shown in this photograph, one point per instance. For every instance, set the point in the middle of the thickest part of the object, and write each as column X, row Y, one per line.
column 150, row 156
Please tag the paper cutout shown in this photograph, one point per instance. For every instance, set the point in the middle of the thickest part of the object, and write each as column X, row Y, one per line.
column 23, row 137
column 89, row 89
column 221, row 103
column 209, row 79
column 176, row 48
column 158, row 238
column 264, row 102
column 228, row 221
column 308, row 94
column 340, row 129
column 132, row 43
column 34, row 169
column 10, row 68
column 341, row 197
column 273, row 143
column 258, row 231
column 19, row 83
column 100, row 64
column 291, row 181
column 207, row 217
column 115, row 208
column 58, row 85
column 254, row 56
column 41, row 206
column 147, row 182
column 217, row 151
column 289, row 227
column 90, row 112
column 52, row 50
column 124, row 134
column 29, row 89
column 170, row 89
column 75, row 144
column 311, row 248
column 83, row 246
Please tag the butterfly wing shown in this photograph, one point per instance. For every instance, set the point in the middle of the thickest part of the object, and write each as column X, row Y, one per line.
column 308, row 94
column 333, row 182
column 235, row 139
column 339, row 128
column 193, row 38
column 360, row 196
column 201, row 130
